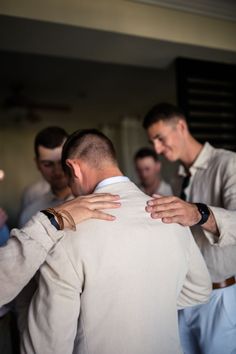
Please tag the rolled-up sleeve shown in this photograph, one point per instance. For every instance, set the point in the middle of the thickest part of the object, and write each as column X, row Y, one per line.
column 226, row 223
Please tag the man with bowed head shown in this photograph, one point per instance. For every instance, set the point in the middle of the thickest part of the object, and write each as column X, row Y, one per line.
column 113, row 287
column 206, row 184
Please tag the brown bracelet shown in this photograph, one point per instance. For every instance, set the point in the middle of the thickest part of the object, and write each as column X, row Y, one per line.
column 58, row 216
column 69, row 219
column 66, row 216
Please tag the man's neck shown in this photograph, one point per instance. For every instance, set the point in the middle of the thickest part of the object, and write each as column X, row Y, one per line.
column 107, row 172
column 62, row 194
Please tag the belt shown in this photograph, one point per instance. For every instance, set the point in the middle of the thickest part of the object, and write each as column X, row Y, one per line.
column 224, row 284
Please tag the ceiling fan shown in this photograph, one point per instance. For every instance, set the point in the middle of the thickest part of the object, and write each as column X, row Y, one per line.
column 17, row 100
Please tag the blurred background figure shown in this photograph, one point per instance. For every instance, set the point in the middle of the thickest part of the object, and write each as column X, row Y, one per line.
column 33, row 191
column 8, row 331
column 4, row 231
column 148, row 167
column 48, row 147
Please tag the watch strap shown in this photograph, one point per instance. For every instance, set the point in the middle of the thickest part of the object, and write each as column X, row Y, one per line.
column 51, row 218
column 204, row 211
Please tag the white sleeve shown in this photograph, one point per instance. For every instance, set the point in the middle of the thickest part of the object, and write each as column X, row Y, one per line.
column 54, row 310
column 25, row 251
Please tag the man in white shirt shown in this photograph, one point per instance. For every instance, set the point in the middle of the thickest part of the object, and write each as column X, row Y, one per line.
column 113, row 287
column 148, row 167
column 48, row 147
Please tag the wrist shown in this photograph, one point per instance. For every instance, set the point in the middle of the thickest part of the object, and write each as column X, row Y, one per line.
column 204, row 212
column 60, row 219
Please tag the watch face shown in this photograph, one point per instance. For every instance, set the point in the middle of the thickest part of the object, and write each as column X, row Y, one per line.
column 204, row 211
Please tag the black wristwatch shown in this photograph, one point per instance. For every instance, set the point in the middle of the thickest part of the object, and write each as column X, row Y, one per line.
column 51, row 218
column 204, row 211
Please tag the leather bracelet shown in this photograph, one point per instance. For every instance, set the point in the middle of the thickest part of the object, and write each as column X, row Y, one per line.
column 68, row 218
column 58, row 216
column 59, row 223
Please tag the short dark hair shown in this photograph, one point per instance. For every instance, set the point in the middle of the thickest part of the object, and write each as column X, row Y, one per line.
column 162, row 111
column 90, row 145
column 50, row 137
column 146, row 152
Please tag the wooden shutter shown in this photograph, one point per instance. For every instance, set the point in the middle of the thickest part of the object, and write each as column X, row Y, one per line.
column 206, row 92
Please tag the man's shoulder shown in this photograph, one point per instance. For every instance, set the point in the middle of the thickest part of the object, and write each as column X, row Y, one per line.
column 222, row 154
column 222, row 159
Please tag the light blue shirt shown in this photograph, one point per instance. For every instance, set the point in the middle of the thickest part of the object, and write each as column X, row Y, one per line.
column 111, row 180
column 4, row 235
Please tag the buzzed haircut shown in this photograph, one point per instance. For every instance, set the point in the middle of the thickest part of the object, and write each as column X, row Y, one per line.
column 90, row 145
column 146, row 152
column 50, row 137
column 162, row 111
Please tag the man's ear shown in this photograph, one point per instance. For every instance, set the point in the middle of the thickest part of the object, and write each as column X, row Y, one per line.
column 75, row 168
column 182, row 125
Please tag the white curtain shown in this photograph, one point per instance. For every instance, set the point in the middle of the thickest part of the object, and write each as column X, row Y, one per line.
column 127, row 136
column 133, row 137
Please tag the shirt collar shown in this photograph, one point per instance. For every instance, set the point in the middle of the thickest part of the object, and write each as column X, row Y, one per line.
column 201, row 161
column 111, row 180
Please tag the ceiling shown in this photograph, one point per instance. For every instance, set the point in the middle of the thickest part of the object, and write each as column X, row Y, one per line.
column 223, row 9
column 51, row 39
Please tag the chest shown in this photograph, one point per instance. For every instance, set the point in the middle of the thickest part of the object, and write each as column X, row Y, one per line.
column 205, row 186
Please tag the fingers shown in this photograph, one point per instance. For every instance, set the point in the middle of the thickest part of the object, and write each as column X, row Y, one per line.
column 3, row 215
column 163, row 207
column 159, row 200
column 96, row 214
column 96, row 197
column 166, row 214
column 176, row 219
column 103, row 205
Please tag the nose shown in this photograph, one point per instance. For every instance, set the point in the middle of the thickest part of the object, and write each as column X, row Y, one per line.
column 158, row 146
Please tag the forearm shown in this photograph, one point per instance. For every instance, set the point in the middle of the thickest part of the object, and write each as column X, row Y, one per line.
column 225, row 221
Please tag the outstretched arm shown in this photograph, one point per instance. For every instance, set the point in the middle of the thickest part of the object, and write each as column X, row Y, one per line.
column 28, row 247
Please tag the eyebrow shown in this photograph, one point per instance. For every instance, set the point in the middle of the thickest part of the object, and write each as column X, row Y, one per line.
column 157, row 136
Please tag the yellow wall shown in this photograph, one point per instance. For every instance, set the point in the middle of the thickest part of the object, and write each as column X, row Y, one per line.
column 122, row 16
